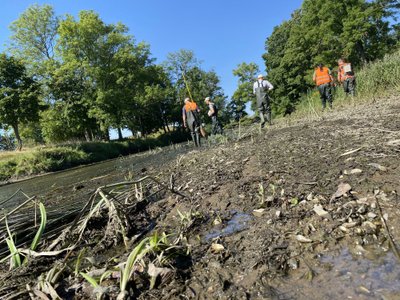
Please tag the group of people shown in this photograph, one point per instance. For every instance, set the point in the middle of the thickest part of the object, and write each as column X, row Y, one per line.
column 191, row 119
column 324, row 81
column 322, row 77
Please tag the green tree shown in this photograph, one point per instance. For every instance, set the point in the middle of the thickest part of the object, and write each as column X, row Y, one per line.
column 321, row 32
column 189, row 79
column 19, row 95
column 34, row 36
column 112, row 63
column 247, row 74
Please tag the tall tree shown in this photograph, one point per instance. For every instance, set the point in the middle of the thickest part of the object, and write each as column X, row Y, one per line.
column 19, row 95
column 111, row 61
column 34, row 37
column 246, row 73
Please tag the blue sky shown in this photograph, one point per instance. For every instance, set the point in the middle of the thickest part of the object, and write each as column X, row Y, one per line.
column 221, row 33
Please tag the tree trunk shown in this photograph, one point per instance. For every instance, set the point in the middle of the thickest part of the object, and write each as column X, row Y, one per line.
column 17, row 136
column 120, row 137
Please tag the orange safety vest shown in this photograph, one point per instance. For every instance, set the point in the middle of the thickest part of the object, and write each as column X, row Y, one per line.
column 322, row 77
column 342, row 76
column 190, row 106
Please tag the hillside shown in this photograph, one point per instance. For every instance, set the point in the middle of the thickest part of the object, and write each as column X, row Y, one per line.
column 320, row 236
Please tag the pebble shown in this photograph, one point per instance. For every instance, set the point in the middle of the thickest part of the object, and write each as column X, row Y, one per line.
column 371, row 215
column 319, row 210
column 378, row 166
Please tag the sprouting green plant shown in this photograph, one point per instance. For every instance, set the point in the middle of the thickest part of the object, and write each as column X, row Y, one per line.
column 294, row 201
column 187, row 218
column 43, row 221
column 15, row 254
column 126, row 273
column 78, row 261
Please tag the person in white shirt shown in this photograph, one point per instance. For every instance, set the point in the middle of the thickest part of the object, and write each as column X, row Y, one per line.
column 260, row 89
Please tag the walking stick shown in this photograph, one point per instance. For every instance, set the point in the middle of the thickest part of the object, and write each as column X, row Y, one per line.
column 202, row 131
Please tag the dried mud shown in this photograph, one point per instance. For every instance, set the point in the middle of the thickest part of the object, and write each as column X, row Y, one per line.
column 277, row 203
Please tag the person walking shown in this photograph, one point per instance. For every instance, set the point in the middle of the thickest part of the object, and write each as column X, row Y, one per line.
column 323, row 79
column 213, row 114
column 346, row 77
column 260, row 89
column 191, row 119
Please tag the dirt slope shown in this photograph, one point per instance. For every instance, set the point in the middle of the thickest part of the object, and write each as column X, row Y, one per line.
column 300, row 167
column 317, row 232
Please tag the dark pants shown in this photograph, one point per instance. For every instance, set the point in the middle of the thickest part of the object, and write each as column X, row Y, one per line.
column 264, row 109
column 325, row 92
column 216, row 126
column 194, row 128
column 349, row 86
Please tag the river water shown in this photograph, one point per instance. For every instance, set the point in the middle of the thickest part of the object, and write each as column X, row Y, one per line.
column 78, row 183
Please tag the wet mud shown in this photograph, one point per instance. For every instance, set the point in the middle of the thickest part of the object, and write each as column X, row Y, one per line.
column 289, row 212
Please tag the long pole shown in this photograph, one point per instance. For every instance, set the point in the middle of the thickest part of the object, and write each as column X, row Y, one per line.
column 202, row 131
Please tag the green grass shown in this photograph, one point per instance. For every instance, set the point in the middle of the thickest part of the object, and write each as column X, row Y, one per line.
column 63, row 156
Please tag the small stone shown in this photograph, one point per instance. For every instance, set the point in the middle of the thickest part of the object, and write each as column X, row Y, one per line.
column 319, row 210
column 378, row 166
column 293, row 263
column 278, row 213
column 371, row 215
column 269, row 222
column 350, row 224
column 216, row 248
column 258, row 212
column 310, row 196
column 303, row 239
column 373, row 205
column 269, row 199
column 356, row 171
column 343, row 188
column 386, row 216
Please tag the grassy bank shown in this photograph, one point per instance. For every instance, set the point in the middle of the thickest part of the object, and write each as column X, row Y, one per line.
column 374, row 80
column 59, row 157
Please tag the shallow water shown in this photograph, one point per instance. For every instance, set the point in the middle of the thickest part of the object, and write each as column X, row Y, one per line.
column 60, row 186
column 349, row 276
column 237, row 223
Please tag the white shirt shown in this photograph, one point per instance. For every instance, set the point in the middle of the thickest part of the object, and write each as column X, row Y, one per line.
column 263, row 83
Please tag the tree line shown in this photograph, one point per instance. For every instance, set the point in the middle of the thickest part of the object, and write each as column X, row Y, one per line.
column 66, row 78
column 75, row 78
column 321, row 31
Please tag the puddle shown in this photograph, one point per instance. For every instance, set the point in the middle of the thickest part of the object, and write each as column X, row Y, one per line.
column 347, row 276
column 238, row 223
column 377, row 278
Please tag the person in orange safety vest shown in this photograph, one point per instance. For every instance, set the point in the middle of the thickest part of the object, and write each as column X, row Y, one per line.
column 191, row 119
column 324, row 80
column 346, row 77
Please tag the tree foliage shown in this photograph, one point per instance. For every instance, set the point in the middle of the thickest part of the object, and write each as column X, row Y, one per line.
column 19, row 95
column 321, row 32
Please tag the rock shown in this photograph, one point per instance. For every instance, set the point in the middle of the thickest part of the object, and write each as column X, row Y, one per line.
column 278, row 213
column 303, row 239
column 356, row 171
column 343, row 188
column 371, row 215
column 393, row 143
column 258, row 212
column 269, row 199
column 319, row 210
column 293, row 263
column 344, row 229
column 310, row 196
column 378, row 166
column 349, row 224
column 216, row 248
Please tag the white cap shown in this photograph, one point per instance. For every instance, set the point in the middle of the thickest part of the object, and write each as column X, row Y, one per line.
column 260, row 76
column 186, row 99
column 207, row 98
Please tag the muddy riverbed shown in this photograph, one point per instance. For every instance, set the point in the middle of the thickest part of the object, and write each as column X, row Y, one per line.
column 288, row 213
